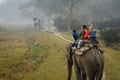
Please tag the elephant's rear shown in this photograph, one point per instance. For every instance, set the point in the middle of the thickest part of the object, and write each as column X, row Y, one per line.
column 97, row 62
column 92, row 63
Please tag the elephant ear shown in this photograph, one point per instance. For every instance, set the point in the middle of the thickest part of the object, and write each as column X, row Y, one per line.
column 69, row 52
column 68, row 49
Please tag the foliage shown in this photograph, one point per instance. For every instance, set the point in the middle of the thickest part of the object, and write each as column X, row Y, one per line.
column 61, row 25
column 111, row 37
column 112, row 23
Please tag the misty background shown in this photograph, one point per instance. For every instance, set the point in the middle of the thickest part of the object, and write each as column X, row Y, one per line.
column 103, row 13
column 9, row 11
column 31, row 33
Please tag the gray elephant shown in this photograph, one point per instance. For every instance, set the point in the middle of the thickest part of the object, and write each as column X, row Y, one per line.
column 90, row 65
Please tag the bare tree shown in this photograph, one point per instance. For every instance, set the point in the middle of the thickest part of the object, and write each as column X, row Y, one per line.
column 55, row 7
column 71, row 4
column 94, row 16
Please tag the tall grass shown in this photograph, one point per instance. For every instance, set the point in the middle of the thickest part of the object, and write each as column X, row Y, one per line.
column 41, row 56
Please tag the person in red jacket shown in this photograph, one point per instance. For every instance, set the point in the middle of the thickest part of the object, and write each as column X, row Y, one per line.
column 86, row 37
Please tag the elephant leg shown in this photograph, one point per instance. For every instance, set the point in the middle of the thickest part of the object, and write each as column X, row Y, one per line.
column 84, row 76
column 69, row 65
column 77, row 69
column 91, row 75
column 99, row 75
column 78, row 73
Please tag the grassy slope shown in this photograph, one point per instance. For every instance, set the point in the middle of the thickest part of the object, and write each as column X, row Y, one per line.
column 112, row 64
column 54, row 66
column 32, row 57
column 36, row 56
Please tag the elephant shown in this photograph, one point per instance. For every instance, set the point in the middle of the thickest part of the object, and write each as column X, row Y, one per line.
column 90, row 65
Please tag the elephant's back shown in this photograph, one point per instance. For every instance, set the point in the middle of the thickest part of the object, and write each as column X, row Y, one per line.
column 90, row 60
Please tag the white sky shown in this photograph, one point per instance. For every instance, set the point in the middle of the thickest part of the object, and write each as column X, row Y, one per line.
column 1, row 1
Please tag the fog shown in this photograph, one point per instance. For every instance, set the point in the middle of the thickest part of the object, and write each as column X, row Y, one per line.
column 9, row 11
column 92, row 10
column 23, row 11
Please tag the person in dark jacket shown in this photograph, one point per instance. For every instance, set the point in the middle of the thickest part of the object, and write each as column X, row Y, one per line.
column 75, row 36
column 93, row 38
column 92, row 33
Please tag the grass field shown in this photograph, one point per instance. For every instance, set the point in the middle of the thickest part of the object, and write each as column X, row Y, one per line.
column 41, row 56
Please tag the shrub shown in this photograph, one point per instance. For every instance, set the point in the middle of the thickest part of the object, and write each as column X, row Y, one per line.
column 111, row 36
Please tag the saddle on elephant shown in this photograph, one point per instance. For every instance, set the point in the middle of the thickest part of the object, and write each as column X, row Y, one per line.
column 87, row 46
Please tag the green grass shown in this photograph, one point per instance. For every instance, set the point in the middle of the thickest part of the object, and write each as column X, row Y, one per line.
column 112, row 64
column 32, row 56
column 41, row 56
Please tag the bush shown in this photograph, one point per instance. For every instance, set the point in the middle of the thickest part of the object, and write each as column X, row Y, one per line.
column 61, row 24
column 111, row 36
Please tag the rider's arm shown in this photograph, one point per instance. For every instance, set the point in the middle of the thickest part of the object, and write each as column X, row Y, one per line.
column 86, row 35
column 81, row 35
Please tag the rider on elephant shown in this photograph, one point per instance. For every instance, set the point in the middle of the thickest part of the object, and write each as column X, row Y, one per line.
column 92, row 33
column 75, row 36
column 84, row 37
column 93, row 38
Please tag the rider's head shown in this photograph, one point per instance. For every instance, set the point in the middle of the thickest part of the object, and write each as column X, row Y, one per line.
column 91, row 27
column 74, row 30
column 84, row 27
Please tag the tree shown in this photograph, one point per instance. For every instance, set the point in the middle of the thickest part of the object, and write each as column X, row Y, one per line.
column 61, row 25
column 71, row 4
column 50, row 8
column 90, row 11
column 111, row 37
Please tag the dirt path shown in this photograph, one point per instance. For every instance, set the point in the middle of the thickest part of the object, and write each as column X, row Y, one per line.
column 60, row 36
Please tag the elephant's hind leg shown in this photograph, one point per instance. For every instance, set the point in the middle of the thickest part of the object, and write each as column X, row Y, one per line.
column 84, row 76
column 77, row 69
column 91, row 75
column 99, row 76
